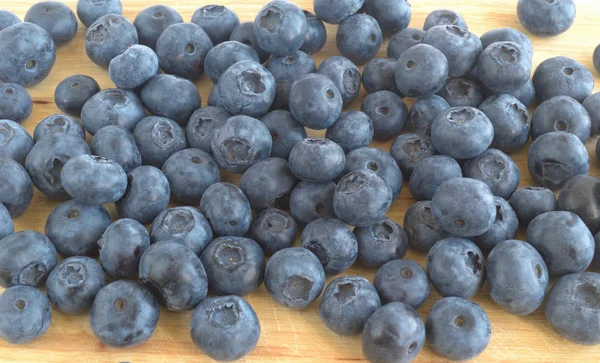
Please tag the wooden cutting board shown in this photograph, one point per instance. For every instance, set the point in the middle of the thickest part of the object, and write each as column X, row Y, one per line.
column 289, row 335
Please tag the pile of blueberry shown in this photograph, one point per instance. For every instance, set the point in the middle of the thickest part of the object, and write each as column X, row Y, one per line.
column 153, row 143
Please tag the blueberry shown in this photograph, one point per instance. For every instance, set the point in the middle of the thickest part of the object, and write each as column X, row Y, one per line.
column 217, row 21
column 504, row 66
column 325, row 98
column 461, row 47
column 16, row 188
column 455, row 267
column 422, row 228
column 274, row 230
column 394, row 333
column 58, row 123
column 458, row 329
column 27, row 54
column 530, row 202
column 378, row 161
column 182, row 49
column 496, row 169
column 334, row 12
column 461, row 92
column 280, row 27
column 157, row 139
column 444, row 17
column 174, row 274
column 504, row 228
column 310, row 201
column 146, row 196
column 133, row 67
column 517, row 277
column 507, row 35
column 592, row 106
column 380, row 243
column 88, row 11
column 332, row 242
column 571, row 307
column 359, row 38
column 462, row 132
column 121, row 247
column 268, row 184
column 240, row 142
column 47, row 159
column 244, row 33
column 184, row 225
column 190, row 172
column 247, row 88
column 562, row 76
column 285, row 131
column 26, row 313
column 74, row 283
column 317, row 160
column 7, row 19
column 6, row 223
column 387, row 111
column 596, row 261
column 362, row 198
column 347, row 303
column 217, row 322
column 118, row 144
column 73, row 92
column 316, row 34
column 75, row 227
column 596, row 58
column 402, row 281
column 15, row 141
column 424, row 111
column 556, row 157
column 294, row 277
column 286, row 70
column 430, row 173
column 353, row 130
column 402, row 40
column 26, row 257
column 408, row 149
column 93, row 179
column 177, row 106
column 510, row 119
column 107, row 37
column 378, row 75
column 561, row 113
column 112, row 106
column 56, row 18
column 344, row 74
column 234, row 265
column 15, row 102
column 563, row 240
column 464, row 207
column 200, row 128
column 227, row 209
column 224, row 55
column 473, row 76
column 525, row 93
column 546, row 18
column 421, row 71
column 579, row 196
column 152, row 21
column 124, row 314
column 392, row 16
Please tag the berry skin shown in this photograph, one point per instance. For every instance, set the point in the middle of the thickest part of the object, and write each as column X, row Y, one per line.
column 316, row 34
column 124, row 314
column 334, row 12
column 403, row 40
column 380, row 243
column 332, row 242
column 408, row 149
column 268, row 184
column 74, row 283
column 461, row 92
column 58, row 123
column 15, row 102
column 227, row 209
column 562, row 76
column 359, row 38
column 190, row 172
column 118, row 144
column 353, row 130
column 157, row 139
column 16, row 142
column 201, row 126
column 112, row 106
column 511, row 122
column 387, row 111
column 234, row 265
column 285, row 132
column 26, row 257
column 546, row 18
column 347, row 303
column 507, row 35
column 178, row 106
column 224, row 55
column 504, row 66
column 274, row 230
column 244, row 33
column 322, row 93
column 73, row 92
column 152, row 21
column 561, row 113
column 504, row 228
column 444, row 17
column 378, row 161
column 461, row 47
column 430, row 173
column 592, row 106
column 403, row 281
column 121, row 247
column 6, row 224
column 392, row 16
column 317, row 160
column 379, row 75
column 517, row 277
column 88, row 11
column 218, row 321
column 107, row 37
column 421, row 71
column 310, row 201
column 26, row 314
column 133, row 67
column 422, row 228
column 530, row 202
column 146, row 196
column 280, row 27
column 286, row 70
column 16, row 188
column 579, row 196
column 7, row 19
column 294, row 277
column 424, row 111
column 174, row 274
column 496, row 169
column 184, row 225
column 56, row 18
column 344, row 74
column 217, row 21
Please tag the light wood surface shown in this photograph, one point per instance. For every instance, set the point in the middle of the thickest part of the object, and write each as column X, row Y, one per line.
column 288, row 335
